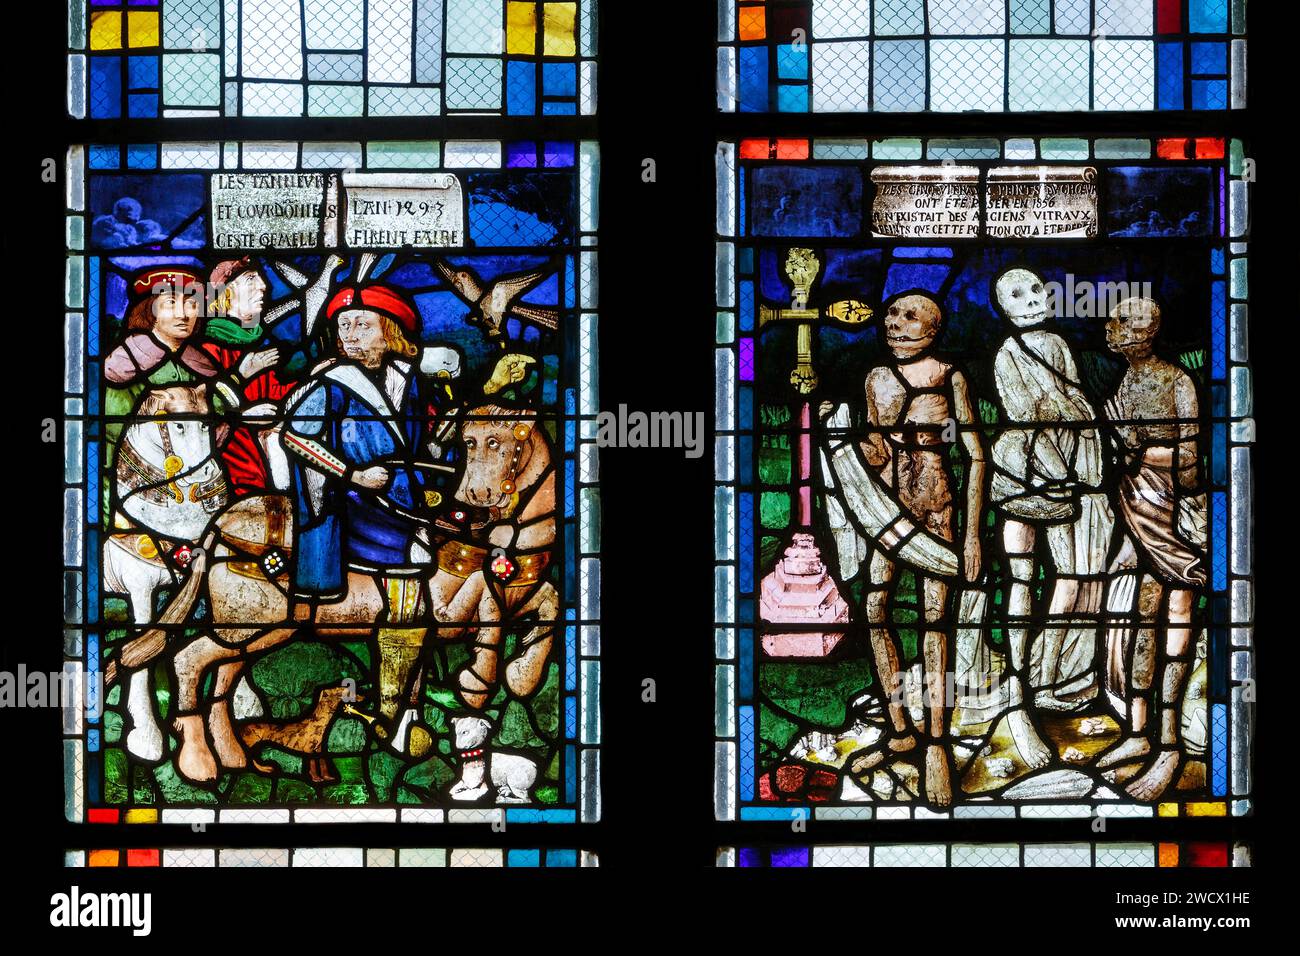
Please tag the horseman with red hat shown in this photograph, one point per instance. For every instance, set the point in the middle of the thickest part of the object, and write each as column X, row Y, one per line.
column 354, row 432
column 357, row 434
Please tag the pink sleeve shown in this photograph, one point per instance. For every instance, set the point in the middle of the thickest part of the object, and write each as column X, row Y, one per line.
column 120, row 367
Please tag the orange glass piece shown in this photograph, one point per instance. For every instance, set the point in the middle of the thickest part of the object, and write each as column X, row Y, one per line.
column 752, row 23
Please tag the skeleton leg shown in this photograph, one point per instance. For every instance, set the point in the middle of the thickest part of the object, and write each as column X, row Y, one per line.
column 938, row 775
column 884, row 650
column 1018, row 540
column 1142, row 670
column 1177, row 664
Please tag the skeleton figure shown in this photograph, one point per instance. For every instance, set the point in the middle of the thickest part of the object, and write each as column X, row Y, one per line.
column 1047, row 477
column 911, row 401
column 1161, row 499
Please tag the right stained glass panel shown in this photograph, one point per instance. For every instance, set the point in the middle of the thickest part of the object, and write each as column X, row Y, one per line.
column 983, row 499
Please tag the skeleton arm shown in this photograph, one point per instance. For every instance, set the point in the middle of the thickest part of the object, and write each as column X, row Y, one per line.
column 874, row 448
column 970, row 439
column 1187, row 460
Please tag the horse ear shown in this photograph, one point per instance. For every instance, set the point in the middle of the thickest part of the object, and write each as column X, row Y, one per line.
column 523, row 434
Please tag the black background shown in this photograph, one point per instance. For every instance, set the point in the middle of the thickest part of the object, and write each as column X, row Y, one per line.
column 657, row 100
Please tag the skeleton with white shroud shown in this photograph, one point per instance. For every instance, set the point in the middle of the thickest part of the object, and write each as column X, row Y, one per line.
column 1047, row 477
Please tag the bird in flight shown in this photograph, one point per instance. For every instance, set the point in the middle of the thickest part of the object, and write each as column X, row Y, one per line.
column 492, row 303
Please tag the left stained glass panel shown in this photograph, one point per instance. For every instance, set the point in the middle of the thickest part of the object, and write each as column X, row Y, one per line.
column 330, row 58
column 331, row 521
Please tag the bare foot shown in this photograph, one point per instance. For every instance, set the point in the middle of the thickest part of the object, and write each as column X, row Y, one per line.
column 1125, row 751
column 1157, row 778
column 938, row 783
column 195, row 760
column 1032, row 750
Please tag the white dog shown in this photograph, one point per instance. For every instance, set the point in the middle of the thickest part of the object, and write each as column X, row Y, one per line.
column 512, row 775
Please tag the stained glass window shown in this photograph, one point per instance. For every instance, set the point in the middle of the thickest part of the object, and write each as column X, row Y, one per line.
column 331, row 516
column 330, row 58
column 958, row 56
column 983, row 500
column 399, row 568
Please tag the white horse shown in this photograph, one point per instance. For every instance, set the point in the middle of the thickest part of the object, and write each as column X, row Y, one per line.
column 169, row 486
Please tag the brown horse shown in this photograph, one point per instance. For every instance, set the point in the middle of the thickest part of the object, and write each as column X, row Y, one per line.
column 508, row 475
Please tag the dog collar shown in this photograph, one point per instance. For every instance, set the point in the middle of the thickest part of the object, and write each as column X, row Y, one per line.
column 469, row 754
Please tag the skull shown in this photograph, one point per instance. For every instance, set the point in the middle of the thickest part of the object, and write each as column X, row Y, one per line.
column 911, row 324
column 1022, row 297
column 1132, row 325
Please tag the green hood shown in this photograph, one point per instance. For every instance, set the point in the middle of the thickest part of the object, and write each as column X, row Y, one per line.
column 232, row 333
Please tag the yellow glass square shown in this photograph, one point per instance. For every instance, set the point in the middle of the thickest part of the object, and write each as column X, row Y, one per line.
column 1167, row 810
column 142, row 28
column 558, row 37
column 1207, row 809
column 142, row 815
column 521, row 28
column 106, row 31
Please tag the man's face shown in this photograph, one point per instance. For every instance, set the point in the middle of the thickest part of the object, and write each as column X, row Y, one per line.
column 246, row 294
column 911, row 324
column 361, row 337
column 175, row 314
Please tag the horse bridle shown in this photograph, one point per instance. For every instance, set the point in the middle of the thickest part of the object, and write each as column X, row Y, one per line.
column 156, row 479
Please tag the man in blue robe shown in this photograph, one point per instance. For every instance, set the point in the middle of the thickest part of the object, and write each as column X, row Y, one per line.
column 357, row 436
column 355, row 432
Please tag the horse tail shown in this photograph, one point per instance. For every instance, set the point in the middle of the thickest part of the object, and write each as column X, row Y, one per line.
column 141, row 650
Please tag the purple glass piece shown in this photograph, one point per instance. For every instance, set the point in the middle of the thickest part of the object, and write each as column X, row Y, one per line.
column 521, row 155
column 746, row 360
column 790, row 856
column 557, row 155
column 1223, row 202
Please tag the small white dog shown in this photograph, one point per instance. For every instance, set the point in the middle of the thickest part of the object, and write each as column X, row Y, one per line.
column 512, row 775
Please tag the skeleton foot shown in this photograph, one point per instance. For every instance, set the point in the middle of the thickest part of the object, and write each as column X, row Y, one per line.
column 938, row 780
column 195, row 761
column 145, row 740
column 1046, row 700
column 1157, row 778
column 1122, row 775
column 1125, row 752
column 1032, row 750
column 892, row 747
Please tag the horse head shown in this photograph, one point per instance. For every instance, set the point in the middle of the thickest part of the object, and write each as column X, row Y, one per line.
column 173, row 479
column 506, row 452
